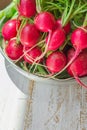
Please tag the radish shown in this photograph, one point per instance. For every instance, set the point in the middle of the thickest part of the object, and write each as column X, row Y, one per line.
column 66, row 28
column 79, row 41
column 14, row 50
column 29, row 35
column 55, row 62
column 79, row 66
column 45, row 21
column 9, row 29
column 70, row 54
column 32, row 54
column 57, row 39
column 27, row 8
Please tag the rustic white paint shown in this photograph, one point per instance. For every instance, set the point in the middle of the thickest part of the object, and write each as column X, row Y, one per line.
column 45, row 107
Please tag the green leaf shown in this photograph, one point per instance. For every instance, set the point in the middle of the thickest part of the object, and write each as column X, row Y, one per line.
column 41, row 70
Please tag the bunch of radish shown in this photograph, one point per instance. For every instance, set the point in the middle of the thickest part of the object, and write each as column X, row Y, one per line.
column 39, row 39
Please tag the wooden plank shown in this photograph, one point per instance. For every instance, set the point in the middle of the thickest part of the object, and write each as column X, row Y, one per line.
column 83, row 113
column 55, row 108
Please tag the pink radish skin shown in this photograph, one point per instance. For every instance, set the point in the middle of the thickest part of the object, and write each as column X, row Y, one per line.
column 27, row 8
column 66, row 28
column 9, row 29
column 70, row 53
column 45, row 21
column 14, row 50
column 57, row 39
column 32, row 54
column 55, row 62
column 79, row 39
column 79, row 66
column 29, row 35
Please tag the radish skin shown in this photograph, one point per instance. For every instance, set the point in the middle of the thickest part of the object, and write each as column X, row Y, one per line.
column 32, row 54
column 45, row 21
column 9, row 29
column 27, row 8
column 66, row 28
column 14, row 50
column 55, row 62
column 29, row 35
column 78, row 68
column 79, row 39
column 57, row 39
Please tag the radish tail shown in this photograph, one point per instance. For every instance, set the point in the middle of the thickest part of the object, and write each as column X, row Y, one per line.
column 80, row 82
column 46, row 48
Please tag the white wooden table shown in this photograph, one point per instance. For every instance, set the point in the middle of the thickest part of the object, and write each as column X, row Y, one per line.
column 46, row 108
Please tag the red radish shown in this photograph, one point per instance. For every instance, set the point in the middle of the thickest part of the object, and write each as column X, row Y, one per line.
column 55, row 62
column 66, row 28
column 70, row 54
column 14, row 50
column 32, row 54
column 27, row 8
column 29, row 35
column 45, row 21
column 79, row 66
column 57, row 39
column 79, row 41
column 9, row 29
